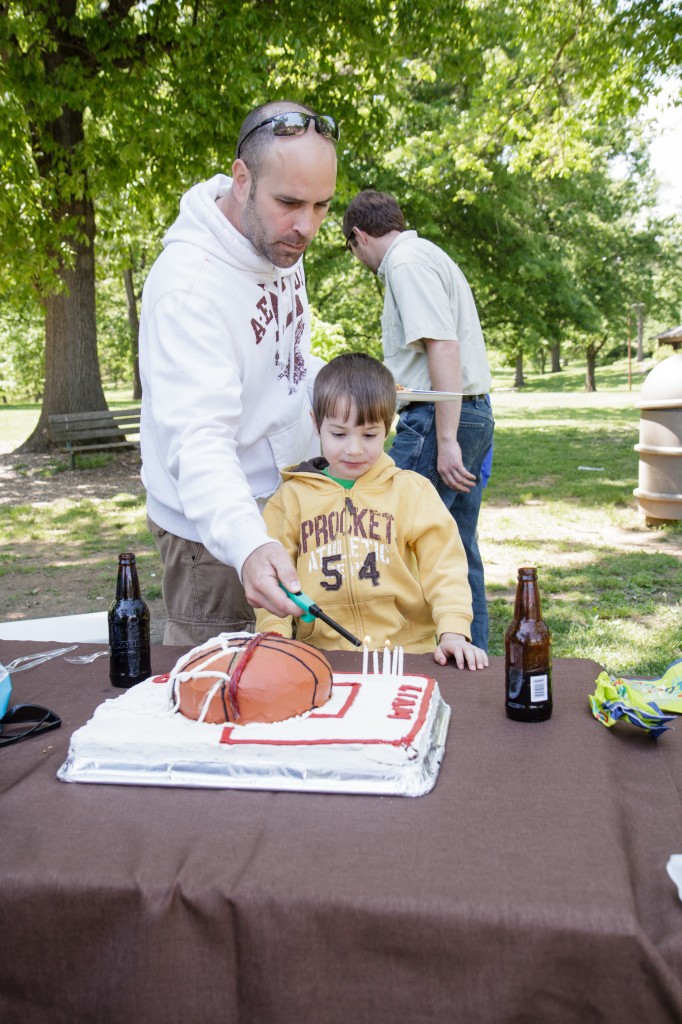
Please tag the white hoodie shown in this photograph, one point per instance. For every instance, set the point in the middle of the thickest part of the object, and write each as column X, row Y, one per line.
column 224, row 354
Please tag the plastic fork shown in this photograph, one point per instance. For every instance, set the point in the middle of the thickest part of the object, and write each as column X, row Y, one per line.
column 86, row 659
column 31, row 660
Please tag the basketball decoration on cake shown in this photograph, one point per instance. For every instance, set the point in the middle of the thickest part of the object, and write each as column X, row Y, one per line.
column 251, row 678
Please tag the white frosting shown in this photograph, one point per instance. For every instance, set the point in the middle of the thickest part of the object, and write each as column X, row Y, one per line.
column 377, row 733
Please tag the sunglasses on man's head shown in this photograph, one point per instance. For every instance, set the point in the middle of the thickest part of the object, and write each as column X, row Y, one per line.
column 295, row 122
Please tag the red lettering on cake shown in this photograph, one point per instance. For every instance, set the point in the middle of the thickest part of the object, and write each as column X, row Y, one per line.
column 405, row 701
column 402, row 708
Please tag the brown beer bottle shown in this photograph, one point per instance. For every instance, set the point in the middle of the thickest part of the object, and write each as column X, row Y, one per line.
column 528, row 655
column 129, row 628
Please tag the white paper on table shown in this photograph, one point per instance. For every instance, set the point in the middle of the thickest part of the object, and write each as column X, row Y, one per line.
column 674, row 868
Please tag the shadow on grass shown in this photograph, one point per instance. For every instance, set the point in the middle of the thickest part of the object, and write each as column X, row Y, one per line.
column 72, row 532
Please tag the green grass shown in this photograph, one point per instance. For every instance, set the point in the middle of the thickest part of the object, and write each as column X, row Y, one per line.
column 561, row 498
column 610, row 585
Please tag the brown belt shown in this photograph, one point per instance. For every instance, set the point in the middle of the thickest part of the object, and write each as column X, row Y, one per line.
column 465, row 398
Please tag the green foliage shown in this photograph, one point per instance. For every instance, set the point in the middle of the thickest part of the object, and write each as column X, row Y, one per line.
column 113, row 331
column 22, row 352
column 502, row 150
column 343, row 292
column 496, row 125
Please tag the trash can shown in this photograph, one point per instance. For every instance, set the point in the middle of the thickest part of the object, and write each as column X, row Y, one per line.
column 660, row 443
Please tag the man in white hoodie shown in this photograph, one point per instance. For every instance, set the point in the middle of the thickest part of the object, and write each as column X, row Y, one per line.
column 224, row 361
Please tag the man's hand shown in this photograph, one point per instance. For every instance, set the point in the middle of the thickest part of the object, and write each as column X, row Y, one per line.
column 261, row 574
column 451, row 468
column 446, row 375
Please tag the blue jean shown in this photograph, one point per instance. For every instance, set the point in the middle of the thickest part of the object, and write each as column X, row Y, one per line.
column 415, row 448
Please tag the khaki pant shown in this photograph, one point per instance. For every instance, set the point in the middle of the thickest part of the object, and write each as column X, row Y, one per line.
column 203, row 596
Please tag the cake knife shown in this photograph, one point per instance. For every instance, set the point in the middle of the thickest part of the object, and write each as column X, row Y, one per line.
column 313, row 611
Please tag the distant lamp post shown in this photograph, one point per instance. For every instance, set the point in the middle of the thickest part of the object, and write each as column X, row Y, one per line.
column 639, row 307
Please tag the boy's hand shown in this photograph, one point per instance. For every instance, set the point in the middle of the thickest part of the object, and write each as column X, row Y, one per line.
column 455, row 645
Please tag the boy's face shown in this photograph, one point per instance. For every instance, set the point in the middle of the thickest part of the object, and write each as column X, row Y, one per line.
column 350, row 449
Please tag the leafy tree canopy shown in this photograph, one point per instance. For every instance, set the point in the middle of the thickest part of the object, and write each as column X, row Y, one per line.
column 496, row 125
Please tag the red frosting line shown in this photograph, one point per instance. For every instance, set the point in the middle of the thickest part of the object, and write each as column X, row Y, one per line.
column 227, row 735
column 354, row 689
column 247, row 653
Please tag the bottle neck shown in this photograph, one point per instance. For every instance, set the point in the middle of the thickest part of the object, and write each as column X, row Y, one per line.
column 527, row 604
column 127, row 583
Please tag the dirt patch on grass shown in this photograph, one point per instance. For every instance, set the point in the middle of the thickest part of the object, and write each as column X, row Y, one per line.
column 507, row 540
column 27, row 479
column 48, row 589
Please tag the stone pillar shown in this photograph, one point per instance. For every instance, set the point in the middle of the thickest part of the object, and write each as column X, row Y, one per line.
column 660, row 443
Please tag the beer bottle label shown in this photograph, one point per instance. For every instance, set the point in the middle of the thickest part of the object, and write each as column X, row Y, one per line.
column 539, row 688
column 526, row 688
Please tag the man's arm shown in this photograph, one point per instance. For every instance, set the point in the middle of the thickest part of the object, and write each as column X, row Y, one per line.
column 446, row 375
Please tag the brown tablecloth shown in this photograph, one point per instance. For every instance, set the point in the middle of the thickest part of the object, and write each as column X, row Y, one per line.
column 530, row 885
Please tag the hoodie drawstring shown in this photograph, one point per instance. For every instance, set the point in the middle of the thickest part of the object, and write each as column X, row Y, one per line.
column 288, row 343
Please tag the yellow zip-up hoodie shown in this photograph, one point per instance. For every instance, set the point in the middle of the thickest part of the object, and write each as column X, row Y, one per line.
column 383, row 558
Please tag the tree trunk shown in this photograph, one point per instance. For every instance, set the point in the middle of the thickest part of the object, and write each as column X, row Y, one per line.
column 590, row 376
column 134, row 324
column 556, row 357
column 72, row 377
column 519, row 379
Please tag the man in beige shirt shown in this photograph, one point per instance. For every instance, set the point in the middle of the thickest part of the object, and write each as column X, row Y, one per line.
column 432, row 341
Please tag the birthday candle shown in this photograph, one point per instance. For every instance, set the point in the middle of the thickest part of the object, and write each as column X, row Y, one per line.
column 386, row 657
column 365, row 654
column 375, row 660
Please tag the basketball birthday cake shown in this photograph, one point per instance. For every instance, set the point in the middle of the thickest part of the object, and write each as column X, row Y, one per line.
column 381, row 732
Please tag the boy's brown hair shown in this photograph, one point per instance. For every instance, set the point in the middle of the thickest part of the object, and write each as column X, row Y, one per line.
column 359, row 379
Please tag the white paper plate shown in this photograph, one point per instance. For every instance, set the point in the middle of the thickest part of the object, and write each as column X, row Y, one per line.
column 428, row 396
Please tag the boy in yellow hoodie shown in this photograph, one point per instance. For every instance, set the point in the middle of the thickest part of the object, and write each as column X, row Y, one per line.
column 373, row 545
